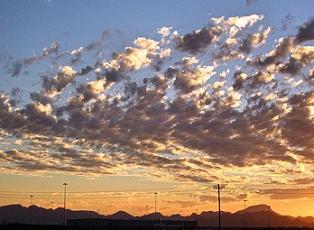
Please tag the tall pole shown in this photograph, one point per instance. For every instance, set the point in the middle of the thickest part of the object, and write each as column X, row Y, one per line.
column 155, row 205
column 268, row 218
column 244, row 201
column 219, row 212
column 64, row 204
column 268, row 214
column 146, row 210
column 31, row 200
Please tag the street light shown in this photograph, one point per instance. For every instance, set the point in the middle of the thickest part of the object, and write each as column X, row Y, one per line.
column 155, row 205
column 64, row 203
column 244, row 204
column 31, row 202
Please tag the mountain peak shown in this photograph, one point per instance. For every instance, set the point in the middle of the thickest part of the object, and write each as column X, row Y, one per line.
column 12, row 206
column 256, row 208
column 121, row 215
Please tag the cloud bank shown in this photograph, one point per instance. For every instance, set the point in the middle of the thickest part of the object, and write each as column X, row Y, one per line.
column 188, row 106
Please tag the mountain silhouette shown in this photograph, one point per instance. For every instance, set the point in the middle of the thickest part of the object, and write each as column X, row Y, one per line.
column 253, row 216
column 16, row 213
column 120, row 215
column 256, row 208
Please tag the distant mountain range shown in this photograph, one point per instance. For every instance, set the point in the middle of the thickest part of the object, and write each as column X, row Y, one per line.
column 254, row 216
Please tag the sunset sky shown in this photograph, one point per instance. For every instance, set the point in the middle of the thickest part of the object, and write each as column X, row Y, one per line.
column 122, row 99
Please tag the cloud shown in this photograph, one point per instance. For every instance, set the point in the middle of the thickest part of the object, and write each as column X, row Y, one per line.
column 183, row 107
column 64, row 77
column 181, row 203
column 250, row 3
column 286, row 21
column 165, row 31
column 75, row 163
column 303, row 54
column 16, row 67
column 254, row 40
column 285, row 45
column 289, row 193
column 135, row 58
column 303, row 181
column 306, row 31
column 197, row 41
column 235, row 24
column 190, row 77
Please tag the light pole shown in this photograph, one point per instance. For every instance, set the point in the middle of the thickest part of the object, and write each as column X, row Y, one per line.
column 268, row 213
column 31, row 202
column 64, row 203
column 155, row 205
column 244, row 205
column 219, row 212
column 51, row 203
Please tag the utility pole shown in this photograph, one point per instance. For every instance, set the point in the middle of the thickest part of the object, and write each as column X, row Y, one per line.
column 268, row 218
column 244, row 201
column 31, row 200
column 268, row 214
column 219, row 212
column 146, row 210
column 64, row 204
column 155, row 206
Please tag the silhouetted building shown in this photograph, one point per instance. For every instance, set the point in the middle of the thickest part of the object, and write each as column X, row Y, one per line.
column 133, row 224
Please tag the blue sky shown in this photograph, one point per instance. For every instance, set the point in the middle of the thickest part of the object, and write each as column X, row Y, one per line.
column 28, row 26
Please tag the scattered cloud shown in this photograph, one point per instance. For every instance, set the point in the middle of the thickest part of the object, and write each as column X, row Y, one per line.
column 305, row 32
column 188, row 106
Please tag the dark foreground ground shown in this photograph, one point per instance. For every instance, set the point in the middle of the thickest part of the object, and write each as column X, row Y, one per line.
column 60, row 227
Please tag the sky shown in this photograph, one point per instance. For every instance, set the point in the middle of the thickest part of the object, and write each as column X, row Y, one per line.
column 122, row 99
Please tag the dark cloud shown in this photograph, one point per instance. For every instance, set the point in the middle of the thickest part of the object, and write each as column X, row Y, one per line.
column 297, row 126
column 60, row 81
column 303, row 181
column 250, row 3
column 305, row 32
column 197, row 41
column 253, row 40
column 280, row 51
column 16, row 68
column 195, row 178
column 292, row 67
column 286, row 21
column 289, row 193
column 76, row 163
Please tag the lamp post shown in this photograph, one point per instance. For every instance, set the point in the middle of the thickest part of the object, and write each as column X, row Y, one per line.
column 244, row 205
column 64, row 204
column 219, row 212
column 155, row 205
column 31, row 199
